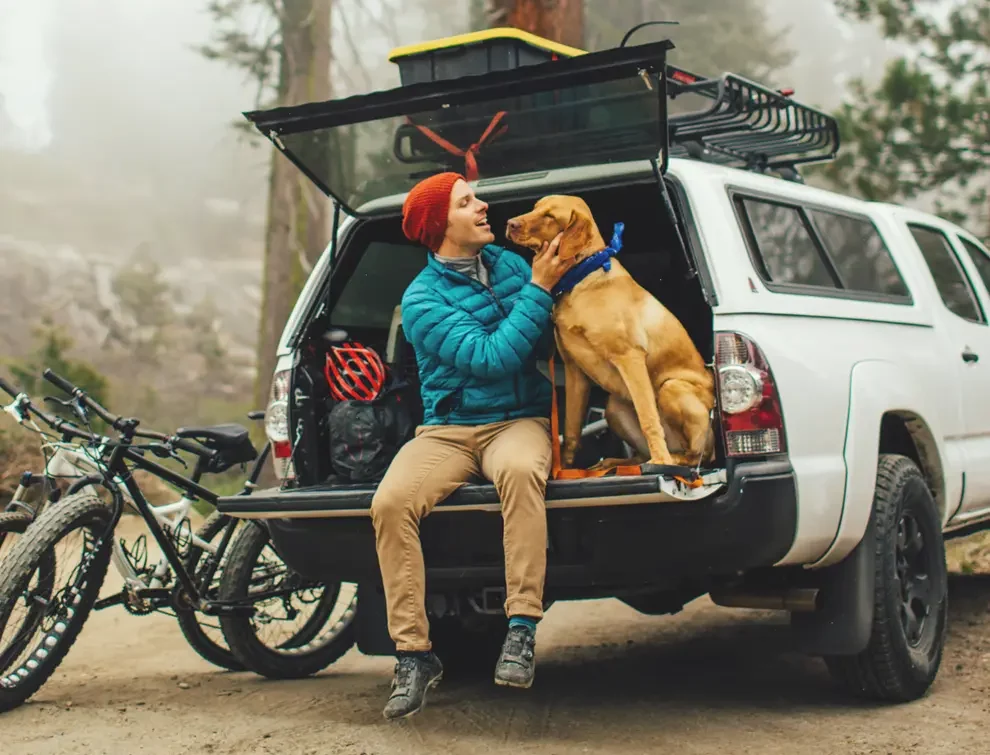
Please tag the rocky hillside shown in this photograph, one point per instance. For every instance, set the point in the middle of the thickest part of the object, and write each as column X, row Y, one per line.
column 81, row 292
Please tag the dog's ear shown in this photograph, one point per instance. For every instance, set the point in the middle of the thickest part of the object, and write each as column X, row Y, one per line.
column 577, row 234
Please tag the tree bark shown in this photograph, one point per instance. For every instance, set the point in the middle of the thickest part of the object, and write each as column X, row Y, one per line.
column 297, row 231
column 559, row 20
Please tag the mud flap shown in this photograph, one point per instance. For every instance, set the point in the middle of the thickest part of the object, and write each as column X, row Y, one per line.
column 371, row 622
column 843, row 624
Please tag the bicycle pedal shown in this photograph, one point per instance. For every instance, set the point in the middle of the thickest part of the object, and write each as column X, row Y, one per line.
column 113, row 600
column 153, row 593
column 212, row 609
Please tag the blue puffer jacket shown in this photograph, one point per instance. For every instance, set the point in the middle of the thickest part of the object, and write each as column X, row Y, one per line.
column 476, row 348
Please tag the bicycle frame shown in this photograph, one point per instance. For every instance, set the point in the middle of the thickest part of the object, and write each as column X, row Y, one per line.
column 157, row 521
column 69, row 461
column 108, row 466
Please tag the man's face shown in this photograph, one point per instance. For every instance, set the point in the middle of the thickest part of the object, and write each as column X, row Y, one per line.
column 467, row 219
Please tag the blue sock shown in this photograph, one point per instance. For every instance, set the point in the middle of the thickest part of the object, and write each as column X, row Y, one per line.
column 522, row 621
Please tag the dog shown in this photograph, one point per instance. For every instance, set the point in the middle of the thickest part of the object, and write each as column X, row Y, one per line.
column 611, row 331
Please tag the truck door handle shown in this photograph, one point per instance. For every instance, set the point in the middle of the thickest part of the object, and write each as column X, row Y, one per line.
column 970, row 356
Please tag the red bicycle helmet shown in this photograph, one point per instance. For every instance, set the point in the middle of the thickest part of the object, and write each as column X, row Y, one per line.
column 354, row 372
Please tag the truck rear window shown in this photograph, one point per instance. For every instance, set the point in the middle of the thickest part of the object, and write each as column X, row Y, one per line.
column 376, row 286
column 786, row 246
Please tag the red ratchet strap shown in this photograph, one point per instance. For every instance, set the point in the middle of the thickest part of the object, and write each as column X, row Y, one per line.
column 470, row 161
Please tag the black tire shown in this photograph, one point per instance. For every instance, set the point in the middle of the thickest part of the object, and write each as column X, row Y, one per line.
column 191, row 622
column 31, row 553
column 321, row 640
column 12, row 523
column 911, row 592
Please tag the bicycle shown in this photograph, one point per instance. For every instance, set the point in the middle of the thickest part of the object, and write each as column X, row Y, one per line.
column 27, row 574
column 65, row 460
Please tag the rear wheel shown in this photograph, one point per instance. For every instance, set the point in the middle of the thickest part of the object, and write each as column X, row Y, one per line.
column 299, row 626
column 49, row 582
column 911, row 592
column 203, row 632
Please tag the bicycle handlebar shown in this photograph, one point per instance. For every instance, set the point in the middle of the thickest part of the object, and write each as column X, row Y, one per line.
column 56, row 379
column 193, row 447
column 59, row 381
column 181, row 443
column 72, row 431
column 59, row 425
column 8, row 388
column 151, row 435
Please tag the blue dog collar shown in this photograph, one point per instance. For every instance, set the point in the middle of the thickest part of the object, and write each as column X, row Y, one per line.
column 598, row 261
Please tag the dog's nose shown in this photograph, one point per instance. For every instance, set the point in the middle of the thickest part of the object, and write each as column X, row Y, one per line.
column 513, row 225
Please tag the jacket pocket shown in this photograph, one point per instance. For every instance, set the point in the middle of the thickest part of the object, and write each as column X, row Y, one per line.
column 448, row 403
column 489, row 398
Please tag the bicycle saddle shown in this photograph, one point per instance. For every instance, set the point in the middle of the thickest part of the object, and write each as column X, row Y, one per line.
column 231, row 440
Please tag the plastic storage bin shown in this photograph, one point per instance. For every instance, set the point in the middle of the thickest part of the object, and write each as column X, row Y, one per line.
column 498, row 49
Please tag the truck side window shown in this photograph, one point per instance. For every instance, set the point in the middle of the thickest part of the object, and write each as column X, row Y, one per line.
column 859, row 253
column 950, row 279
column 980, row 259
column 784, row 242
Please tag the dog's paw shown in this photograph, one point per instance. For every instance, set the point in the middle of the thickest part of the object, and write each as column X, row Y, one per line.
column 664, row 461
column 612, row 463
column 686, row 459
column 567, row 454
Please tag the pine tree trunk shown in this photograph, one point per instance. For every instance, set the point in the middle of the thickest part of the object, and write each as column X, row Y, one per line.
column 297, row 230
column 559, row 20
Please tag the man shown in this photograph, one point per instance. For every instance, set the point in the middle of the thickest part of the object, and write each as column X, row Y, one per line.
column 477, row 317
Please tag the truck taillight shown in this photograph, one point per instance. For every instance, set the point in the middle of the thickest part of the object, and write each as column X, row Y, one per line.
column 752, row 422
column 277, row 425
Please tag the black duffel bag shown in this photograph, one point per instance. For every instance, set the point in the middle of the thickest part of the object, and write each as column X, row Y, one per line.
column 366, row 435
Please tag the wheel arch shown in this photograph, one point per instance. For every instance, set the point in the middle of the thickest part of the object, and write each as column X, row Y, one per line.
column 905, row 432
column 888, row 412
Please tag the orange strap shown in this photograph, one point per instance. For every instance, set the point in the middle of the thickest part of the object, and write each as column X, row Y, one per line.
column 556, row 472
column 470, row 162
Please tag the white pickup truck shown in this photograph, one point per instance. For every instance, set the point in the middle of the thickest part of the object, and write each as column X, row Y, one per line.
column 853, row 418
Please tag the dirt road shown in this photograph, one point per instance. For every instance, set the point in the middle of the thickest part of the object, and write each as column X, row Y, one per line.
column 707, row 681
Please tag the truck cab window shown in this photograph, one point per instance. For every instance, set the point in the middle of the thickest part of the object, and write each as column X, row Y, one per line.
column 950, row 279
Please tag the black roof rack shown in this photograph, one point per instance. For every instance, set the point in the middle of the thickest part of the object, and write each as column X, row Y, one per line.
column 748, row 125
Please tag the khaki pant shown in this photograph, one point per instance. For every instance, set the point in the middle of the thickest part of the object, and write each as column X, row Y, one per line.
column 515, row 456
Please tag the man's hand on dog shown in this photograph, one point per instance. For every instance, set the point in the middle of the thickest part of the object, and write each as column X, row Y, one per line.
column 548, row 266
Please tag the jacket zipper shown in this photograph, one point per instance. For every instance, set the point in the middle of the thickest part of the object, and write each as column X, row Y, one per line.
column 498, row 303
column 515, row 376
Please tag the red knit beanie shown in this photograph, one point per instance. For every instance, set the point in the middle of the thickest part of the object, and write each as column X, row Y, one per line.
column 424, row 213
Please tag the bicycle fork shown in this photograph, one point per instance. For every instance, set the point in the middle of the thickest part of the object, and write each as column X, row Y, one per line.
column 18, row 503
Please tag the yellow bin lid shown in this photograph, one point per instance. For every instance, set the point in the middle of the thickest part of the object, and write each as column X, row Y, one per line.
column 476, row 37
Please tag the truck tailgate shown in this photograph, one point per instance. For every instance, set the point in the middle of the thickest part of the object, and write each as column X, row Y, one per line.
column 355, row 500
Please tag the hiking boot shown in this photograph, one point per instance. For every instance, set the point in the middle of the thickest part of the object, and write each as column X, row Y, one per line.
column 414, row 674
column 517, row 664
